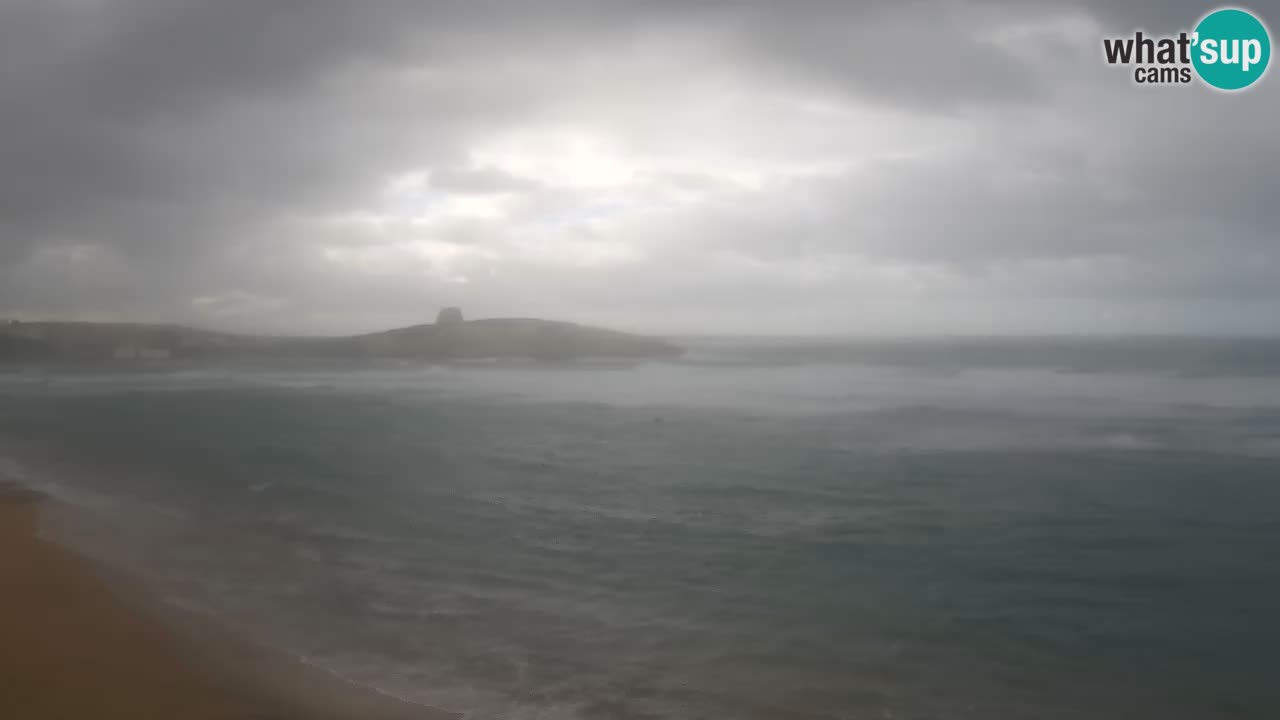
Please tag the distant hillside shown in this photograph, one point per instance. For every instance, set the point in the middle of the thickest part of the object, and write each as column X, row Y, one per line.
column 449, row 338
column 506, row 337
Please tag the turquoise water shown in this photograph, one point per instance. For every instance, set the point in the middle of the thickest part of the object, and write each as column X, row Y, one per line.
column 764, row 530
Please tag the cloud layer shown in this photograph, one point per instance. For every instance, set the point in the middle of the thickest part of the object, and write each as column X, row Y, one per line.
column 946, row 166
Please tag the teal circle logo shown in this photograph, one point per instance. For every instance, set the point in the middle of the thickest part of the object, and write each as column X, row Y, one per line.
column 1231, row 49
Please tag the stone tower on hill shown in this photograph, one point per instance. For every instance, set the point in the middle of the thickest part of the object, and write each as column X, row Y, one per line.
column 449, row 316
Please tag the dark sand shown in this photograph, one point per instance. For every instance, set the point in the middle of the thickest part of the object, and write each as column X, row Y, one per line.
column 73, row 645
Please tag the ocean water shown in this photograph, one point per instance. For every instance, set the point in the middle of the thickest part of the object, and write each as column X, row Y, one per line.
column 967, row 529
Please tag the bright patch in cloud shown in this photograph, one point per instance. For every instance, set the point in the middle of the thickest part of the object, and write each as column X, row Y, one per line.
column 564, row 158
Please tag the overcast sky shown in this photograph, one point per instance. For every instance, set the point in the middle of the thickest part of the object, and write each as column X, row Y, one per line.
column 770, row 167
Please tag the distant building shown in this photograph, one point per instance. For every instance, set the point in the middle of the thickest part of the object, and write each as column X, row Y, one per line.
column 138, row 352
column 27, row 330
column 449, row 316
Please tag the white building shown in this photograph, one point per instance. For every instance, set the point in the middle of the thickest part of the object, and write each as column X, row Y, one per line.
column 138, row 352
column 31, row 331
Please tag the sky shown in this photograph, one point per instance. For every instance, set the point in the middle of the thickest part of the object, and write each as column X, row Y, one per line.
column 754, row 167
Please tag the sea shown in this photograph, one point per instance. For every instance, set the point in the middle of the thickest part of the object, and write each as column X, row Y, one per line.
column 816, row 529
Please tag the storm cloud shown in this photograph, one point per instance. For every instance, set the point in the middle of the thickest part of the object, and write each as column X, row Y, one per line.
column 325, row 166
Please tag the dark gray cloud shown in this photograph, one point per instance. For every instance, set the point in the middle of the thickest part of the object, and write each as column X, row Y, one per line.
column 751, row 165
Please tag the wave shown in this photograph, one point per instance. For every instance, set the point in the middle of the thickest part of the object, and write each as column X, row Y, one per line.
column 17, row 475
column 1180, row 355
column 651, row 543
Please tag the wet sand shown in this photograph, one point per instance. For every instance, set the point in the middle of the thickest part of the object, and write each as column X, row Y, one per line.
column 75, row 644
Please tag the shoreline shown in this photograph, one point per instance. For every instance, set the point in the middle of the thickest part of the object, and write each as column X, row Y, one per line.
column 82, row 640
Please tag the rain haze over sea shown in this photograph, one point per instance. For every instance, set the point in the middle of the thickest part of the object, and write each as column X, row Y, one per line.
column 979, row 417
column 763, row 529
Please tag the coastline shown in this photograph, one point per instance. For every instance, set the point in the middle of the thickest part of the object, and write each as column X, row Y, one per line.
column 82, row 641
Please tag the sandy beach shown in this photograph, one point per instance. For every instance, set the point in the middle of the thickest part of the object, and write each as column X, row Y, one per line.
column 76, row 645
